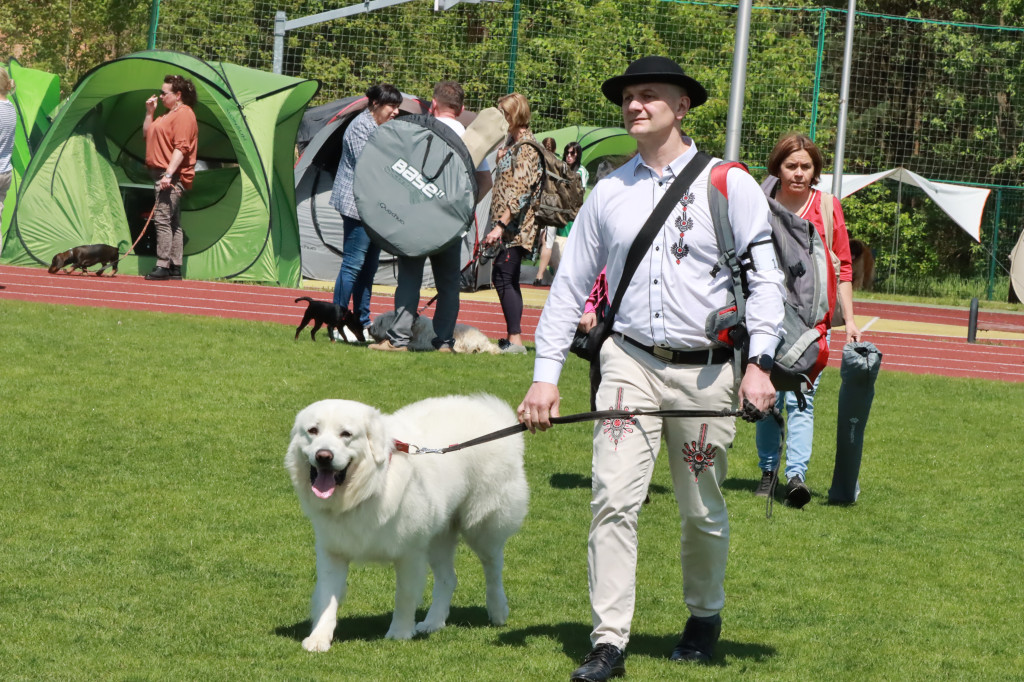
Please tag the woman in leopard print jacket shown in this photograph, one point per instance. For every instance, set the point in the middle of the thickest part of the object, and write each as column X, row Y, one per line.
column 512, row 215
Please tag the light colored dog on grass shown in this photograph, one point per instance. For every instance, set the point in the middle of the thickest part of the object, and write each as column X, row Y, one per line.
column 467, row 339
column 369, row 501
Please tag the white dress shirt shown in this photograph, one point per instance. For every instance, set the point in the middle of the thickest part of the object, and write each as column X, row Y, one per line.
column 672, row 291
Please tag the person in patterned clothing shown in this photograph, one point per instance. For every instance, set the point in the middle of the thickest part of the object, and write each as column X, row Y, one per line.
column 8, row 125
column 359, row 264
column 512, row 215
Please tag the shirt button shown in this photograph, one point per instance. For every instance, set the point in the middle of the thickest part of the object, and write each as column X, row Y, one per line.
column 655, row 281
column 657, row 314
column 657, row 248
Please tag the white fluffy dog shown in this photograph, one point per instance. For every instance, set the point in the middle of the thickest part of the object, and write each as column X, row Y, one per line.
column 369, row 501
column 467, row 339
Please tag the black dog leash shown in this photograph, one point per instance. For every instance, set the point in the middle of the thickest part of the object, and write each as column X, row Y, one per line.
column 139, row 239
column 748, row 413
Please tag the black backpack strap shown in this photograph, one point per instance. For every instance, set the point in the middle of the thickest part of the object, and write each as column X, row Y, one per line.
column 644, row 239
column 654, row 224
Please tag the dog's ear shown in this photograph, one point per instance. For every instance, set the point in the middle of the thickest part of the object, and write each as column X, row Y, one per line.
column 378, row 440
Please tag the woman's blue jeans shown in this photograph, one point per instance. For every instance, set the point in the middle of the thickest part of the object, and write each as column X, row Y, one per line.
column 358, row 267
column 799, row 434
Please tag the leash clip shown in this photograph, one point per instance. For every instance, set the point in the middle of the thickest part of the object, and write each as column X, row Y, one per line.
column 426, row 451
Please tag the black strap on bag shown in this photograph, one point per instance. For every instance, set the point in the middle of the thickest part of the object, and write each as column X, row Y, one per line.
column 637, row 251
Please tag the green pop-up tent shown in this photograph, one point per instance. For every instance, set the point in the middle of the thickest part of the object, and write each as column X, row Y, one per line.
column 596, row 143
column 87, row 182
column 36, row 95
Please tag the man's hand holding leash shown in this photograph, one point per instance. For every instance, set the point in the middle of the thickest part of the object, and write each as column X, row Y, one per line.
column 539, row 405
column 757, row 389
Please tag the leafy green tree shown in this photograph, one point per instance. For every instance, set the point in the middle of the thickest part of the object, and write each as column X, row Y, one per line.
column 69, row 38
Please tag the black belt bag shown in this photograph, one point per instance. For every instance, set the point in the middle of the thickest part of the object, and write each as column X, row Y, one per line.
column 587, row 345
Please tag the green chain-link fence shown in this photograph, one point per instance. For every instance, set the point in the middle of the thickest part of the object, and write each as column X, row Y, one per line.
column 941, row 99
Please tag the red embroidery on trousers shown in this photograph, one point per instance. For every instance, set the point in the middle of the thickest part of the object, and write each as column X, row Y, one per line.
column 699, row 455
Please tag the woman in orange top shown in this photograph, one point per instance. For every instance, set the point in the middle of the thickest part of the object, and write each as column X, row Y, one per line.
column 171, row 142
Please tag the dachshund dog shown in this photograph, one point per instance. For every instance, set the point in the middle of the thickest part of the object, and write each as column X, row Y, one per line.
column 327, row 313
column 84, row 257
column 863, row 265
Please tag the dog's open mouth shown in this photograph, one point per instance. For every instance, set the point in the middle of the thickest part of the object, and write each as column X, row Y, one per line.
column 324, row 481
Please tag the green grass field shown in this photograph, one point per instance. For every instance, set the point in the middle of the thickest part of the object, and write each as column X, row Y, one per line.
column 149, row 531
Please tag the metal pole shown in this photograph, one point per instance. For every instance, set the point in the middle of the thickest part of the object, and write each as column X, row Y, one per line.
column 734, row 122
column 972, row 322
column 844, row 100
column 513, row 49
column 995, row 246
column 279, row 20
column 817, row 73
column 154, row 21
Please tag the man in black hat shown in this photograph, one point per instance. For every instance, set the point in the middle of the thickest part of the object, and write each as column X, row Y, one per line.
column 659, row 357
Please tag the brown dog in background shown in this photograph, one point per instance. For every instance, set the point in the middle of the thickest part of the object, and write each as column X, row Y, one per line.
column 84, row 257
column 863, row 265
column 327, row 313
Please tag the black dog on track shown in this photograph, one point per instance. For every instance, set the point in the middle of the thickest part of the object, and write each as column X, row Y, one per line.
column 327, row 313
column 84, row 257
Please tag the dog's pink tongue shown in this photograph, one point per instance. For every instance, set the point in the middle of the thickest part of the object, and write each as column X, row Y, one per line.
column 323, row 486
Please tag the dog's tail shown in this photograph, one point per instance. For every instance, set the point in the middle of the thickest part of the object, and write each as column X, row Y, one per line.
column 123, row 241
column 304, row 298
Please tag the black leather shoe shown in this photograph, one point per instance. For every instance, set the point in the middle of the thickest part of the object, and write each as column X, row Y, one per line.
column 797, row 493
column 699, row 639
column 159, row 273
column 603, row 663
column 175, row 271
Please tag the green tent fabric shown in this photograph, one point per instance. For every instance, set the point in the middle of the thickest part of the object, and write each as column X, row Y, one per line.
column 36, row 94
column 87, row 182
column 596, row 143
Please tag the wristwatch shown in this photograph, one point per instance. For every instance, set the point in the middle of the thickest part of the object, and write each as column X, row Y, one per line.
column 168, row 175
column 765, row 362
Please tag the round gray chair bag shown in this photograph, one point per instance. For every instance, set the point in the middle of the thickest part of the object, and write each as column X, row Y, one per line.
column 415, row 187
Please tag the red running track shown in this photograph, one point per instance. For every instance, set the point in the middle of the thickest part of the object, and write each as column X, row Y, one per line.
column 904, row 352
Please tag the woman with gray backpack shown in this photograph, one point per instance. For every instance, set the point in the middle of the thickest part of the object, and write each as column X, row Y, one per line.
column 795, row 167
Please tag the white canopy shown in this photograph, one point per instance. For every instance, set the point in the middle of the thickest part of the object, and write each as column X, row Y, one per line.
column 1017, row 267
column 963, row 204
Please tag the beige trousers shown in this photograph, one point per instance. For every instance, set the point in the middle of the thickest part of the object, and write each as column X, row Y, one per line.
column 624, row 455
column 170, row 240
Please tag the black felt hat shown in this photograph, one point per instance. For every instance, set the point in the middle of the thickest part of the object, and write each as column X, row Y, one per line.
column 654, row 70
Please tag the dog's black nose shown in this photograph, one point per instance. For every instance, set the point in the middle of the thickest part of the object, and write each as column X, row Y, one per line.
column 324, row 456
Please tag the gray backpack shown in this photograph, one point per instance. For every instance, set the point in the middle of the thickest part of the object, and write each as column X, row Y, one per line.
column 803, row 352
column 415, row 186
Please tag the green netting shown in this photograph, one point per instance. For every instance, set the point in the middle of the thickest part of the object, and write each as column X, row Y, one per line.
column 939, row 98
